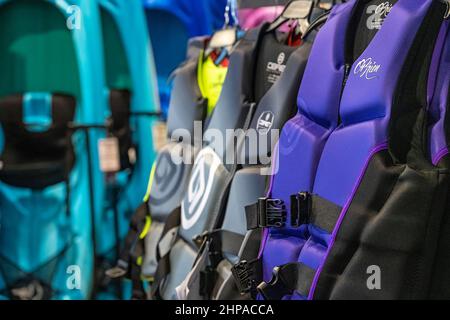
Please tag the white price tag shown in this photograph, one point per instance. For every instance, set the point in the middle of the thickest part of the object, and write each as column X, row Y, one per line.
column 159, row 132
column 108, row 150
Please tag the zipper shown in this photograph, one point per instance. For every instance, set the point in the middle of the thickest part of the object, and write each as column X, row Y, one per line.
column 347, row 69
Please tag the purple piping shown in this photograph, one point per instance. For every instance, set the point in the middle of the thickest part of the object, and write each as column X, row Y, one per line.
column 438, row 157
column 374, row 151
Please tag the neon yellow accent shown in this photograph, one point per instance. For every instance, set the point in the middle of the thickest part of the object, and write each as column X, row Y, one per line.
column 150, row 182
column 147, row 278
column 139, row 261
column 148, row 223
column 210, row 80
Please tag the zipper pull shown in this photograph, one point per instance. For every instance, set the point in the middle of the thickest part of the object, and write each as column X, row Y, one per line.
column 348, row 67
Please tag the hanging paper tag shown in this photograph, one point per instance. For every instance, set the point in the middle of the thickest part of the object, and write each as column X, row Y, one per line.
column 223, row 38
column 159, row 131
column 108, row 150
column 299, row 9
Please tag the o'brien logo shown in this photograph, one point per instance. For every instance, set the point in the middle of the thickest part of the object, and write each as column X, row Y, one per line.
column 378, row 15
column 278, row 66
column 265, row 122
column 367, row 68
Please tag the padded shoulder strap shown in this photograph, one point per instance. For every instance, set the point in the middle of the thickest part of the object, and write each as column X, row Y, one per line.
column 276, row 107
column 237, row 91
column 186, row 102
column 326, row 66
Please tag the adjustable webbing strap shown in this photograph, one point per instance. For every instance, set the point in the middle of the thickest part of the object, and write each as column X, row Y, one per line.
column 266, row 213
column 287, row 279
column 213, row 244
column 129, row 264
column 197, row 283
column 217, row 243
column 168, row 238
column 324, row 214
column 305, row 209
column 223, row 241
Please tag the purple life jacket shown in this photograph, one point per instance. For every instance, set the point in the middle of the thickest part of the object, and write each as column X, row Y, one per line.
column 334, row 238
column 439, row 154
column 439, row 97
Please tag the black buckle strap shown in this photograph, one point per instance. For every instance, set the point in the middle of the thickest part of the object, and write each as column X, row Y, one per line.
column 277, row 288
column 287, row 279
column 301, row 206
column 247, row 275
column 208, row 279
column 266, row 213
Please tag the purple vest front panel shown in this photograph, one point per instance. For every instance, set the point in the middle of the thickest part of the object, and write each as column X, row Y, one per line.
column 365, row 113
column 366, row 109
column 303, row 137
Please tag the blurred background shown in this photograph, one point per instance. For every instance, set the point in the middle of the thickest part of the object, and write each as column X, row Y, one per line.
column 85, row 87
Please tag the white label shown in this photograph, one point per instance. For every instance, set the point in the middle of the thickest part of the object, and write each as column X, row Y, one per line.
column 159, row 131
column 108, row 150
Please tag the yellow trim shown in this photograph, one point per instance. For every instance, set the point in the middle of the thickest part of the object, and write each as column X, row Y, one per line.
column 150, row 182
column 139, row 261
column 200, row 74
column 148, row 223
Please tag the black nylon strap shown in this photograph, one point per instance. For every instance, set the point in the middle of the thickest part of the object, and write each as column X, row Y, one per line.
column 173, row 221
column 226, row 241
column 251, row 214
column 305, row 209
column 134, row 246
column 286, row 279
column 161, row 273
column 138, row 291
column 266, row 213
column 163, row 268
column 217, row 242
column 324, row 213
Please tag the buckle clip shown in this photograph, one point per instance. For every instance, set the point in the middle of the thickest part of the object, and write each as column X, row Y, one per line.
column 244, row 276
column 275, row 289
column 272, row 212
column 301, row 206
